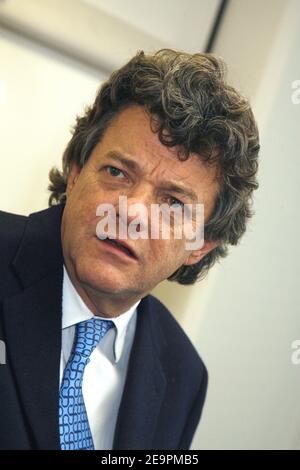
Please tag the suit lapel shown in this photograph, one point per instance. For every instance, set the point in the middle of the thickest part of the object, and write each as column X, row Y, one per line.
column 32, row 323
column 144, row 387
column 33, row 335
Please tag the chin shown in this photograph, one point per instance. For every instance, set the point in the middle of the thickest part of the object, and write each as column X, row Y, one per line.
column 101, row 277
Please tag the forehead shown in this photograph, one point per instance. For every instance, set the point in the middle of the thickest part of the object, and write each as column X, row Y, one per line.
column 130, row 134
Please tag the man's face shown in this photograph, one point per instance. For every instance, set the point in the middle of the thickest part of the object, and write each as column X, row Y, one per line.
column 130, row 161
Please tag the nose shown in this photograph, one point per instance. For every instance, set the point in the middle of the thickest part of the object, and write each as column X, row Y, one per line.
column 134, row 210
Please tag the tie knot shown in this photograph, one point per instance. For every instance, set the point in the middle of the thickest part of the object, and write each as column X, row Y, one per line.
column 89, row 333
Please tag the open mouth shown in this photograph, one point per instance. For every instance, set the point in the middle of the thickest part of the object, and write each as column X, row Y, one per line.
column 120, row 246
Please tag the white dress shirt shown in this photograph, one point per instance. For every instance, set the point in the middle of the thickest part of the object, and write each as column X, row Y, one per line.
column 104, row 376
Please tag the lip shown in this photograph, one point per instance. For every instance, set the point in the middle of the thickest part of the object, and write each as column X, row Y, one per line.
column 115, row 249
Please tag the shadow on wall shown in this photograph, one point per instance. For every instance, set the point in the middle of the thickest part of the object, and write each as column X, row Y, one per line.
column 177, row 297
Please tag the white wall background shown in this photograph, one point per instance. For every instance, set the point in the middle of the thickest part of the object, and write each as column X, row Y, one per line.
column 251, row 314
column 245, row 315
column 40, row 95
column 183, row 24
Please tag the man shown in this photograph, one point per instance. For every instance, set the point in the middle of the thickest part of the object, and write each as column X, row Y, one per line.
column 93, row 361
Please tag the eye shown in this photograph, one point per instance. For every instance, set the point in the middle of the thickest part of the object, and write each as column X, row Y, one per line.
column 174, row 202
column 115, row 172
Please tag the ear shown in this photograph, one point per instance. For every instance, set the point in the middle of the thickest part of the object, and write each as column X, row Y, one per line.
column 196, row 255
column 75, row 170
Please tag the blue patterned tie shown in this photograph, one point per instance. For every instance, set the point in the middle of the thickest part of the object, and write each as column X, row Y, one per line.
column 74, row 429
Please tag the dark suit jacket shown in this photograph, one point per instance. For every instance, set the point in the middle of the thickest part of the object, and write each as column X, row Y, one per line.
column 166, row 381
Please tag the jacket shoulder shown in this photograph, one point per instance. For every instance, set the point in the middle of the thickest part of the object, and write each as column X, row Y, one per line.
column 12, row 227
column 11, row 230
column 178, row 344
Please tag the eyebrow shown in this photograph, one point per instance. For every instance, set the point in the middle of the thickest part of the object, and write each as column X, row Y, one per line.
column 181, row 190
column 114, row 155
column 169, row 186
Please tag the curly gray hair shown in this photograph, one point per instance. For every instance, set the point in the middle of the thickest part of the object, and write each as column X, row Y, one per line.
column 199, row 112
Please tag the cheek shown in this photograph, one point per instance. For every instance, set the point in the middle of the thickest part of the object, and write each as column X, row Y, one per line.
column 169, row 252
column 78, row 223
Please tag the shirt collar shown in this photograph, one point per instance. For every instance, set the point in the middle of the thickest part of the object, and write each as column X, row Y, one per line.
column 75, row 310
